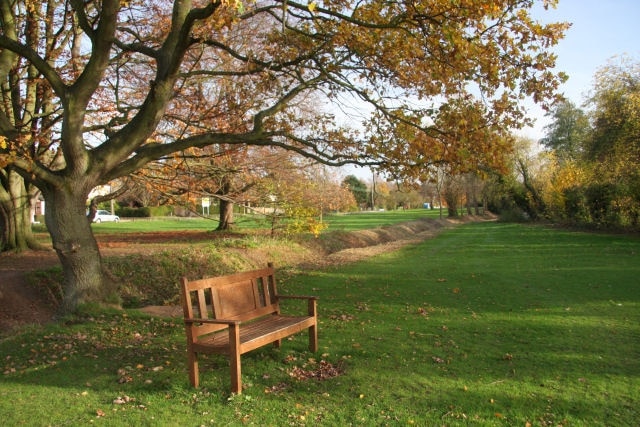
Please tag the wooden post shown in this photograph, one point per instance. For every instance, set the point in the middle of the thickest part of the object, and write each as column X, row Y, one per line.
column 313, row 330
column 234, row 359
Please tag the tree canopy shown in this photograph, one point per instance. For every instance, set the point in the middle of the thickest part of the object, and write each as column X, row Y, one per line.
column 357, row 188
column 567, row 133
column 93, row 91
column 589, row 175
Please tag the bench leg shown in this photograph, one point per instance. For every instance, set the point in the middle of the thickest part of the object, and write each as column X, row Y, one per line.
column 313, row 330
column 313, row 338
column 234, row 359
column 194, row 375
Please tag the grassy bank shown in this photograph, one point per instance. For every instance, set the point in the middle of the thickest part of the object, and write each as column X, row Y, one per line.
column 487, row 324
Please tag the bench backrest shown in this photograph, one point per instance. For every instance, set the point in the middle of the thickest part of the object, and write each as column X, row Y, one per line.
column 241, row 296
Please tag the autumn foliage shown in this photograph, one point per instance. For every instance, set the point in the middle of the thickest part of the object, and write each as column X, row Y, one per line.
column 94, row 91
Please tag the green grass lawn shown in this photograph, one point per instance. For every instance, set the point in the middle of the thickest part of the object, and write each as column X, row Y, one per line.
column 487, row 324
column 367, row 220
column 342, row 222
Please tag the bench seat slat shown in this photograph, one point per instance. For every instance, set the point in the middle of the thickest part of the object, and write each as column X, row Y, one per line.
column 255, row 334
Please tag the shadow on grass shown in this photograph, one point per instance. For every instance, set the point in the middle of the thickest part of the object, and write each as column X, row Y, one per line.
column 471, row 328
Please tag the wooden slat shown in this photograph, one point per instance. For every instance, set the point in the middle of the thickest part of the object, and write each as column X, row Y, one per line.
column 187, row 305
column 225, row 280
column 202, row 304
column 256, row 334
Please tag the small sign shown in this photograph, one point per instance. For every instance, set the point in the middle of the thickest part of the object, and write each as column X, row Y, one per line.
column 205, row 206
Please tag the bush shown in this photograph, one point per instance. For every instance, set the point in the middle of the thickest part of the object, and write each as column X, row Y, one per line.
column 600, row 198
column 576, row 205
column 161, row 210
column 144, row 212
column 513, row 215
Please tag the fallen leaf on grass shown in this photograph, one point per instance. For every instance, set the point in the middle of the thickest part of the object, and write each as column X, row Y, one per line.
column 125, row 379
column 324, row 371
column 276, row 388
column 121, row 400
column 342, row 317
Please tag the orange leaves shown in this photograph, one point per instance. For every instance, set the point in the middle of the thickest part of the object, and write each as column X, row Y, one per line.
column 320, row 371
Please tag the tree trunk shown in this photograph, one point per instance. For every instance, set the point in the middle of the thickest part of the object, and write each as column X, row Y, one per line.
column 7, row 228
column 451, row 194
column 15, row 214
column 77, row 249
column 226, row 215
column 226, row 205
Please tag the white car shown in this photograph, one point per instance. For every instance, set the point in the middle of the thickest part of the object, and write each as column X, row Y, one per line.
column 105, row 216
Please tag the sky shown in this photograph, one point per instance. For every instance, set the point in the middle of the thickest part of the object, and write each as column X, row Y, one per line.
column 601, row 30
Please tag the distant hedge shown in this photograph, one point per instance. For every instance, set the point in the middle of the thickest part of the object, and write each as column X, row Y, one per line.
column 161, row 210
column 126, row 212
column 144, row 212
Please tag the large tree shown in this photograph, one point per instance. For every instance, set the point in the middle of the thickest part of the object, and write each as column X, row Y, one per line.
column 614, row 147
column 615, row 104
column 358, row 189
column 567, row 134
column 120, row 84
column 25, row 112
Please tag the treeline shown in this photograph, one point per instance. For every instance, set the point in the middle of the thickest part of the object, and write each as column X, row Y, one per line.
column 589, row 171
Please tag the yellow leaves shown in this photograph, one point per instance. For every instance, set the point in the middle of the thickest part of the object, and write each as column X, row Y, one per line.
column 550, row 3
column 316, row 227
column 312, row 6
column 238, row 5
column 9, row 155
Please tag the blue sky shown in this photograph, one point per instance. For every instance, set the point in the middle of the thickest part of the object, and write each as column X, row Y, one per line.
column 601, row 30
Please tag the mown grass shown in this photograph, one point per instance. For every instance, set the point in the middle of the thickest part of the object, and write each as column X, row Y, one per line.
column 343, row 222
column 487, row 324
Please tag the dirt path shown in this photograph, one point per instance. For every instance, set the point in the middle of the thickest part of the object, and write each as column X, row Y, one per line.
column 21, row 303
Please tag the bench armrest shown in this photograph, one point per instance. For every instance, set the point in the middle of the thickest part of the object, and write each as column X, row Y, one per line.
column 215, row 321
column 311, row 302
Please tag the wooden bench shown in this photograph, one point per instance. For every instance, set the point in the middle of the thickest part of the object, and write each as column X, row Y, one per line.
column 234, row 314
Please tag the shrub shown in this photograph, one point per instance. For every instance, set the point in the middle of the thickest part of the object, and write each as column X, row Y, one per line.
column 126, row 212
column 161, row 210
column 576, row 205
